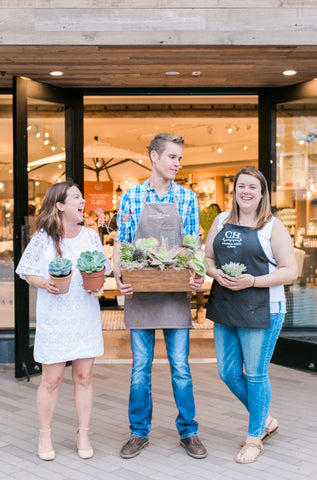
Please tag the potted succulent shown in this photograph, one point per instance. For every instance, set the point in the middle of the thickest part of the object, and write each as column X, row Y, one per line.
column 150, row 266
column 91, row 265
column 234, row 269
column 60, row 270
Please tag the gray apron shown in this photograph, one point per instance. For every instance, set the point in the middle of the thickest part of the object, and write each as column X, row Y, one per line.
column 163, row 309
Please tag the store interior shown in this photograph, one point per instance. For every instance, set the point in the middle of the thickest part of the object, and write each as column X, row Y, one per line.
column 220, row 134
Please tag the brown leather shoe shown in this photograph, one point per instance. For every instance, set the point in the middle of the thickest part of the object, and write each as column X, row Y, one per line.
column 133, row 446
column 194, row 447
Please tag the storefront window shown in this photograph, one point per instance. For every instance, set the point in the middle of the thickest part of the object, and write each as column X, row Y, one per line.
column 294, row 198
column 6, row 214
column 46, row 162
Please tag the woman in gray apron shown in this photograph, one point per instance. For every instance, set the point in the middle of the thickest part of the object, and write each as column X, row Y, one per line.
column 160, row 201
column 248, row 310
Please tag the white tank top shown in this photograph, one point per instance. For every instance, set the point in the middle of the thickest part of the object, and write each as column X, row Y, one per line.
column 277, row 293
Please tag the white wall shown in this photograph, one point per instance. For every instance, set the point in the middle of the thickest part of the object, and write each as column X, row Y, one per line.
column 154, row 22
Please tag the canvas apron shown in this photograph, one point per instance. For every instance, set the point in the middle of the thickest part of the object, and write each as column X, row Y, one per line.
column 250, row 307
column 166, row 309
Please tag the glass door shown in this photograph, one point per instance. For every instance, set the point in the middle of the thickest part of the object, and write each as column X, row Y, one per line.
column 47, row 149
column 293, row 175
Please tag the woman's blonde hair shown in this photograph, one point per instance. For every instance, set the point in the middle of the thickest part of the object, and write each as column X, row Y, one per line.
column 50, row 217
column 264, row 212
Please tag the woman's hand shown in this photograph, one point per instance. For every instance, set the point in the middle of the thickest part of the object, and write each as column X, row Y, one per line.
column 236, row 283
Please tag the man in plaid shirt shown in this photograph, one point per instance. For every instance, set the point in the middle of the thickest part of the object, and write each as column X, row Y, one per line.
column 159, row 208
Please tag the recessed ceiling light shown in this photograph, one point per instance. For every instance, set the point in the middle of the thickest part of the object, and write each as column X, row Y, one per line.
column 289, row 73
column 56, row 74
column 171, row 74
column 196, row 74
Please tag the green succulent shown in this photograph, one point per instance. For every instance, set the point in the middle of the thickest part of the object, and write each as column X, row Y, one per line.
column 60, row 267
column 126, row 252
column 198, row 263
column 234, row 269
column 184, row 257
column 163, row 256
column 192, row 241
column 89, row 262
column 145, row 243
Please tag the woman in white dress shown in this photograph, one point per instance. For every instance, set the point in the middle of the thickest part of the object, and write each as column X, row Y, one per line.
column 68, row 326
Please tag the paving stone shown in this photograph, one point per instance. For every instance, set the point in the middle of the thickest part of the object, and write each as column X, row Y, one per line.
column 290, row 455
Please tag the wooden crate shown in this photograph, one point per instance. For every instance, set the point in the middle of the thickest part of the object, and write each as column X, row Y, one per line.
column 153, row 280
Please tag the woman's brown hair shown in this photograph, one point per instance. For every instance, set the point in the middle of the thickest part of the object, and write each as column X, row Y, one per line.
column 264, row 212
column 50, row 218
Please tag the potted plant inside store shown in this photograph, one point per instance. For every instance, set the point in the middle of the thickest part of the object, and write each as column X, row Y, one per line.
column 91, row 265
column 151, row 266
column 60, row 270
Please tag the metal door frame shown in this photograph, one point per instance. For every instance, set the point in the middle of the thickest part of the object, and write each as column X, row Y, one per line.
column 72, row 99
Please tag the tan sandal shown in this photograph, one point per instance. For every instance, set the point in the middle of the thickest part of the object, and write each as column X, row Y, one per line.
column 47, row 456
column 84, row 454
column 258, row 447
column 270, row 429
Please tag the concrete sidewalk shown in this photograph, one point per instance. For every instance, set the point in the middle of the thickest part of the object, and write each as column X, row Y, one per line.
column 223, row 422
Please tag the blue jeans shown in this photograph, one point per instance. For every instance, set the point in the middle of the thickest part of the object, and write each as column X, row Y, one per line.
column 254, row 348
column 140, row 402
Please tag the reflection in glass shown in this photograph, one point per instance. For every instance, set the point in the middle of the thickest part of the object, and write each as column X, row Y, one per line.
column 46, row 161
column 294, row 198
column 6, row 214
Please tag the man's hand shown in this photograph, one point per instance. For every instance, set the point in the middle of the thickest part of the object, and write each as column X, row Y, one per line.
column 196, row 282
column 125, row 288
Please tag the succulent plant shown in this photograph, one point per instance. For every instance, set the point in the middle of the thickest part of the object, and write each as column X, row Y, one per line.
column 163, row 256
column 198, row 264
column 139, row 255
column 126, row 252
column 184, row 257
column 60, row 267
column 192, row 241
column 90, row 262
column 145, row 243
column 234, row 269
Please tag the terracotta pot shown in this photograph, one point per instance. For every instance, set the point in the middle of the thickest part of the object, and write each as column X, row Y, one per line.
column 62, row 283
column 93, row 281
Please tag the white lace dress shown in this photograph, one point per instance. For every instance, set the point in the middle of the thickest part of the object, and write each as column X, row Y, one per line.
column 68, row 326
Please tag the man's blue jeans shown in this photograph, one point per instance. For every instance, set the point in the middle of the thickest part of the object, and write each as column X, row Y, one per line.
column 254, row 348
column 140, row 403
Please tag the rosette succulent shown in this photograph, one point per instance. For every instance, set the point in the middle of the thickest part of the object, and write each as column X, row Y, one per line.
column 90, row 262
column 192, row 241
column 162, row 256
column 145, row 243
column 234, row 269
column 60, row 267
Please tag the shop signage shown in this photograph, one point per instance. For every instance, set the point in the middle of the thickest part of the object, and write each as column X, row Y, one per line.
column 98, row 195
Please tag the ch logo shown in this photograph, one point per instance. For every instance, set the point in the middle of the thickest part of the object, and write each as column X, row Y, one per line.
column 232, row 235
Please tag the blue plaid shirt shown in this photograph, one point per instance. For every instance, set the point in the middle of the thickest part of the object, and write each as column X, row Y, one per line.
column 132, row 201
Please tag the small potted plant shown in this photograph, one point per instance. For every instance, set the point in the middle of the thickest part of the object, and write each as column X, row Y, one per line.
column 60, row 270
column 234, row 269
column 92, row 268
